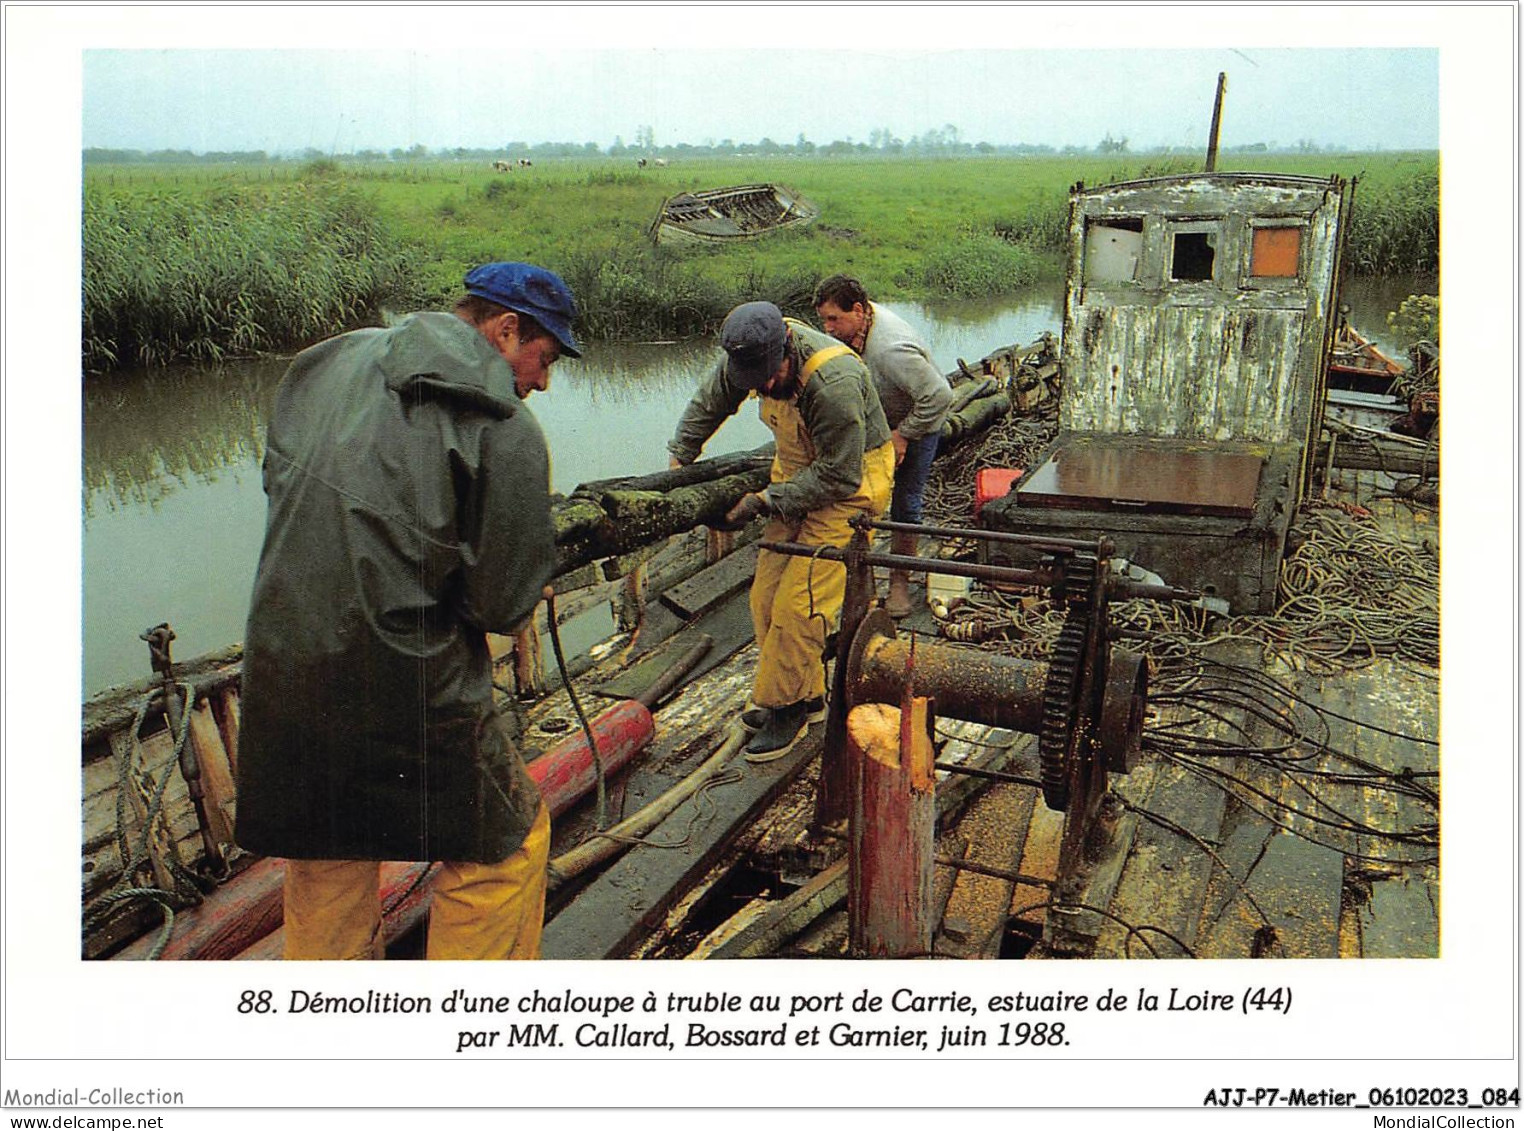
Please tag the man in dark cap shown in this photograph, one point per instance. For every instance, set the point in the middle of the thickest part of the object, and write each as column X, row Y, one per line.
column 834, row 462
column 409, row 514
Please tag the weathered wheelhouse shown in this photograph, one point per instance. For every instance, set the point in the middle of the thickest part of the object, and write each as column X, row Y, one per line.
column 1197, row 324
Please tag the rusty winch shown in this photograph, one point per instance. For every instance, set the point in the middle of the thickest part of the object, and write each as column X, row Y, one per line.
column 1085, row 703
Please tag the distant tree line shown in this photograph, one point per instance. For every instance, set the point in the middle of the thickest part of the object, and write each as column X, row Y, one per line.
column 944, row 142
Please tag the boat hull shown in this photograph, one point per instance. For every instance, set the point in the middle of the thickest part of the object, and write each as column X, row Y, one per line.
column 730, row 215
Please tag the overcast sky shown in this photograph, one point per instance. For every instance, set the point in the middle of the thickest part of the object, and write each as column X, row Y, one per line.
column 344, row 100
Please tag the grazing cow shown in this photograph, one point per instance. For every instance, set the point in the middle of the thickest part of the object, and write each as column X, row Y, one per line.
column 501, row 166
column 525, row 162
column 640, row 163
column 661, row 162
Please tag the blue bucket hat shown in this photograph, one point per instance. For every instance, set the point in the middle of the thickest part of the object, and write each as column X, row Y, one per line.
column 531, row 290
column 753, row 337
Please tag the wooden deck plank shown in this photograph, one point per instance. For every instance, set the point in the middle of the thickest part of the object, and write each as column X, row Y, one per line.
column 1401, row 919
column 607, row 918
column 1336, row 693
column 706, row 589
column 973, row 923
column 665, row 637
column 1271, row 892
column 1389, row 909
column 1295, row 883
column 1163, row 882
column 669, row 941
column 995, row 824
column 1075, row 932
column 1039, row 858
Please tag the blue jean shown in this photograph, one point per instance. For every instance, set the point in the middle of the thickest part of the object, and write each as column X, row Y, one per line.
column 910, row 478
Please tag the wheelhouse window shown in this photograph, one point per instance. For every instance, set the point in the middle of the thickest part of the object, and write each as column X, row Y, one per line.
column 1113, row 249
column 1275, row 253
column 1193, row 255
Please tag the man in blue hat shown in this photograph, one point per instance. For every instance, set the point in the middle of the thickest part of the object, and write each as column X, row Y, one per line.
column 409, row 514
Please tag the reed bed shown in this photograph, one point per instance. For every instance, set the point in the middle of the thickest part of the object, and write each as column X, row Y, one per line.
column 1395, row 228
column 632, row 293
column 190, row 265
column 236, row 271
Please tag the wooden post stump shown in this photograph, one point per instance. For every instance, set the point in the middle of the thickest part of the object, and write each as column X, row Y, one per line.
column 717, row 543
column 528, row 663
column 893, row 831
column 630, row 602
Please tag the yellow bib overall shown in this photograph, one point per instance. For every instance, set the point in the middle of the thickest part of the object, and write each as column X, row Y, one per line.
column 796, row 601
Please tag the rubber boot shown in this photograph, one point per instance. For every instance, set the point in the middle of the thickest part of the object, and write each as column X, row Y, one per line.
column 898, row 605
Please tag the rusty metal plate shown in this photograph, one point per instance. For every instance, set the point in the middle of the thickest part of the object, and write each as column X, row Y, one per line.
column 1143, row 479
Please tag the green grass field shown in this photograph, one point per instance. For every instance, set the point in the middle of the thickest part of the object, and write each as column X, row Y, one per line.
column 916, row 229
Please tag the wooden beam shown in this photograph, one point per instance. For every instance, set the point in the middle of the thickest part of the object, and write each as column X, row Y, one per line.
column 216, row 772
column 234, row 917
column 788, row 916
column 973, row 923
column 706, row 589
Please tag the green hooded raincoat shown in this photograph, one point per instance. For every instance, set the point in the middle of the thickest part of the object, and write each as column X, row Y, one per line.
column 409, row 513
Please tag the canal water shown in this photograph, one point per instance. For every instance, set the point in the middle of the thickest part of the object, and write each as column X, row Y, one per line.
column 173, row 510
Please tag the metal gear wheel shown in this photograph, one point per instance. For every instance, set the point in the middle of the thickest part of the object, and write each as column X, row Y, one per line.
column 1057, row 742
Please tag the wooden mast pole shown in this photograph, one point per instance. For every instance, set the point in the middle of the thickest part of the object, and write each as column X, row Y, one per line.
column 1211, row 158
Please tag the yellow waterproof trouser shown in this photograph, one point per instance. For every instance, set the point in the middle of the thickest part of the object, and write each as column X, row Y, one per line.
column 479, row 911
column 796, row 601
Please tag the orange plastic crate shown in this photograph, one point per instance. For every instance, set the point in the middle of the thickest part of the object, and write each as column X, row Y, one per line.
column 994, row 483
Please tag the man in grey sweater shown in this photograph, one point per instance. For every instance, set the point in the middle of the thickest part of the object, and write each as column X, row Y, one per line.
column 915, row 395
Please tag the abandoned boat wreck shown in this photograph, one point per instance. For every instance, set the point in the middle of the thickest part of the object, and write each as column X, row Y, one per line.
column 725, row 215
column 1181, row 703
